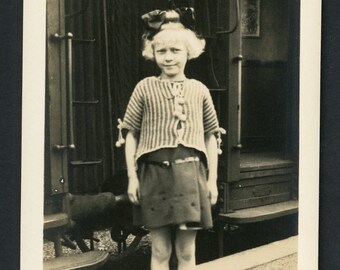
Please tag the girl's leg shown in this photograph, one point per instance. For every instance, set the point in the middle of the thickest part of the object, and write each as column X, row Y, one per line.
column 160, row 248
column 185, row 249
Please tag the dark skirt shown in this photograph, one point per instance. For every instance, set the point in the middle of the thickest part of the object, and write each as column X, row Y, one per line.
column 172, row 195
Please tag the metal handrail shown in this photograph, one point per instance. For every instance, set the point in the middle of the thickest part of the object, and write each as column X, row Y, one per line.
column 70, row 144
column 70, row 90
column 237, row 22
column 239, row 59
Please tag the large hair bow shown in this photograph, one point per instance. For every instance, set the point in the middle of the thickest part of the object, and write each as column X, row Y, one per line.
column 153, row 20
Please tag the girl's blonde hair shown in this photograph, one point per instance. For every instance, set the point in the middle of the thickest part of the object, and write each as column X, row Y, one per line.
column 172, row 33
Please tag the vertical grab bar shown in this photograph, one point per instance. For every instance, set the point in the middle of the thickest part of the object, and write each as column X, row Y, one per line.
column 239, row 101
column 70, row 144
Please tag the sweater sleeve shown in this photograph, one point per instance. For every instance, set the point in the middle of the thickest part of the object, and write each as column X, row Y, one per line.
column 210, row 121
column 134, row 112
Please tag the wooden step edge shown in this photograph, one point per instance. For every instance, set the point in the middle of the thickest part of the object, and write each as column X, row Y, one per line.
column 55, row 220
column 88, row 260
column 268, row 166
column 260, row 213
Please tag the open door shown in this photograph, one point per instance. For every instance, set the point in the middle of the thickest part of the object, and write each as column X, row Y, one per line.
column 261, row 163
column 259, row 167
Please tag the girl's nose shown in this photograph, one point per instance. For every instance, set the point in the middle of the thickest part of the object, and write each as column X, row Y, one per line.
column 168, row 56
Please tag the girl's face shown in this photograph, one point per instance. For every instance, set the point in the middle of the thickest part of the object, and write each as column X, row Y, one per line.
column 171, row 58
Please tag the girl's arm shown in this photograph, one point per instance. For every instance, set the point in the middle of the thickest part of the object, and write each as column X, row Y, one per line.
column 130, row 150
column 211, row 146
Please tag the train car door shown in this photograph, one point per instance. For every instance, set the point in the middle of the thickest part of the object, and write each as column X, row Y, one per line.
column 262, row 145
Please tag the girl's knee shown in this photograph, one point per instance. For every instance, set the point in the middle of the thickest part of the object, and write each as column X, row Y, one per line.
column 185, row 246
column 185, row 253
column 161, row 253
column 161, row 244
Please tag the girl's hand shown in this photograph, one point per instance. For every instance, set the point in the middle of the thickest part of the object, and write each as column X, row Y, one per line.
column 212, row 191
column 133, row 190
column 211, row 145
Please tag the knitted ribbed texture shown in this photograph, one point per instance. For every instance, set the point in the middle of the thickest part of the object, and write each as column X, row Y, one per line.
column 152, row 112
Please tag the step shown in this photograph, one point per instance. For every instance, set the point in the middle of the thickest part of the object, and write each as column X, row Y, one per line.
column 88, row 260
column 260, row 213
column 55, row 220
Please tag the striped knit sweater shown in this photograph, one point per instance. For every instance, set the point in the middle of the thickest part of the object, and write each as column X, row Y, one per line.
column 166, row 114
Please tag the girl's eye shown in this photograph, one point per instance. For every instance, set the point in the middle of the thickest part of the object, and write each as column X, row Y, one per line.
column 176, row 50
column 160, row 51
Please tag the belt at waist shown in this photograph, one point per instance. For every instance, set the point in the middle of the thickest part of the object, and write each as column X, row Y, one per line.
column 168, row 164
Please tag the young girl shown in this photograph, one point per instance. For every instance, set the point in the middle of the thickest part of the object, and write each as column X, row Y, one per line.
column 171, row 148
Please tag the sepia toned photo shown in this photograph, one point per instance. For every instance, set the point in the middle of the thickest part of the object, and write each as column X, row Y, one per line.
column 171, row 135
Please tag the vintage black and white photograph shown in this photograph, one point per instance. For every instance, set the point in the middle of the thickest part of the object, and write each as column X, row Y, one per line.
column 171, row 134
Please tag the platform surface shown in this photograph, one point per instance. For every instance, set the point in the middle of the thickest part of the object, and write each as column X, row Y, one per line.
column 257, row 258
